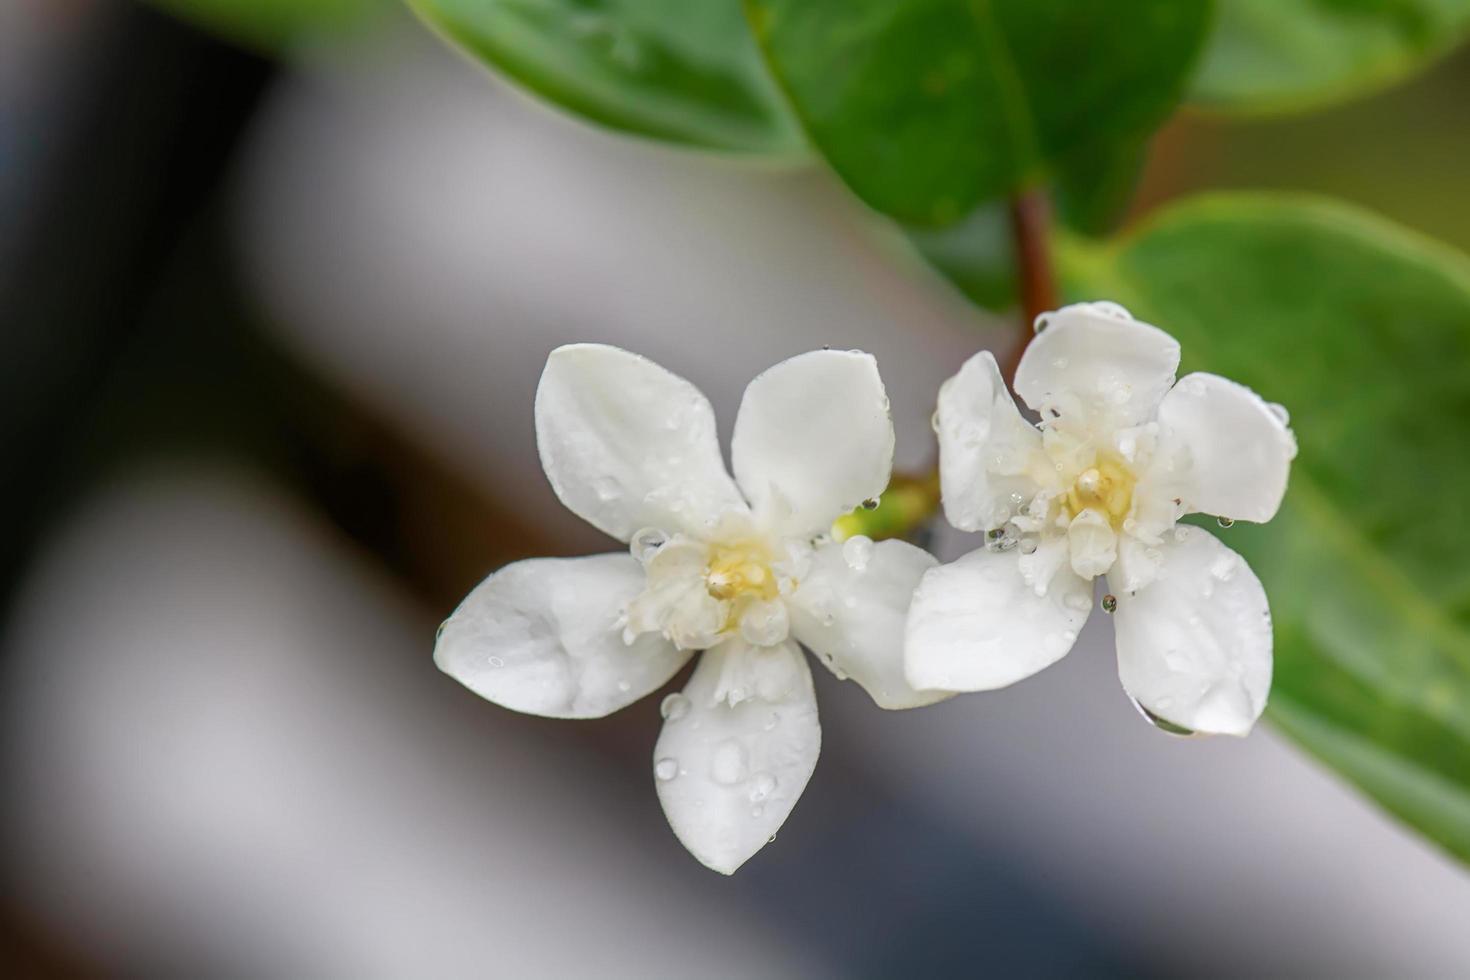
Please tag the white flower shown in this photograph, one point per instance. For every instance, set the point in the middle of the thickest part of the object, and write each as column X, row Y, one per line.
column 1121, row 453
column 743, row 568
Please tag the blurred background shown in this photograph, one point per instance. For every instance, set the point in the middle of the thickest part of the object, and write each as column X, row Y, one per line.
column 272, row 324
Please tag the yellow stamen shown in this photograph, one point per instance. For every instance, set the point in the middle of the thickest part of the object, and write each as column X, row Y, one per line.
column 1106, row 487
column 739, row 570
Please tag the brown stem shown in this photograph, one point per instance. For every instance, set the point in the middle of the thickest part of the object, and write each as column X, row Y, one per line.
column 1030, row 226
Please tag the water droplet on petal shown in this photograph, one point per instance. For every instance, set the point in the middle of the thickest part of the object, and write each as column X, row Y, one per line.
column 1077, row 600
column 1002, row 539
column 1282, row 415
column 645, row 544
column 624, row 686
column 674, row 707
column 757, row 810
column 1109, row 308
column 1109, row 603
column 1040, row 323
column 870, row 504
column 1163, row 724
column 497, row 662
column 772, row 722
column 934, row 422
column 727, row 767
column 765, row 785
column 666, row 769
column 857, row 551
column 1225, row 522
column 440, row 631
column 765, row 623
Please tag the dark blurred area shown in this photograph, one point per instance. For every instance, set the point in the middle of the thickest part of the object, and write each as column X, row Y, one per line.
column 272, row 326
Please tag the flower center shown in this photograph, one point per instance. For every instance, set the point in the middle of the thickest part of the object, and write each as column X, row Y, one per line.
column 740, row 570
column 699, row 592
column 1106, row 487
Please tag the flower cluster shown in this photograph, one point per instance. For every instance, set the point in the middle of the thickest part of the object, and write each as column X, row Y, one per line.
column 746, row 570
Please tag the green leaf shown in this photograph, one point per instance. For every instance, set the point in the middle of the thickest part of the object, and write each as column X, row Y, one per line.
column 271, row 24
column 1286, row 55
column 928, row 108
column 1093, row 192
column 685, row 71
column 1362, row 330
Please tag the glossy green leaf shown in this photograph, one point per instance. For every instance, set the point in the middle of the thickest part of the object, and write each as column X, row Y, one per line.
column 1285, row 55
column 1092, row 193
column 1363, row 331
column 271, row 24
column 677, row 70
column 928, row 108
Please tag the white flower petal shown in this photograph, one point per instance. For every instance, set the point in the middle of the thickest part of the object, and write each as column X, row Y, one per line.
column 813, row 440
column 1093, row 544
column 628, row 445
column 985, row 448
column 1239, row 449
column 1094, row 359
column 976, row 624
column 850, row 611
column 1040, row 567
column 1194, row 647
column 728, row 775
column 544, row 636
column 1137, row 566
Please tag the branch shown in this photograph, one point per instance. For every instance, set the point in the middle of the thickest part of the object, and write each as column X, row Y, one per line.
column 1030, row 213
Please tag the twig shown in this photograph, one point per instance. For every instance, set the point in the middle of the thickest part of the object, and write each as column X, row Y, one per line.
column 1030, row 213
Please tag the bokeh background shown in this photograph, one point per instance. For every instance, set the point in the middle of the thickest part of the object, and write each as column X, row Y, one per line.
column 271, row 327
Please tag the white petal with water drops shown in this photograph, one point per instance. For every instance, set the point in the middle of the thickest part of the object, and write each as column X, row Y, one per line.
column 628, row 445
column 986, row 449
column 1194, row 647
column 741, row 768
column 1094, row 358
column 813, row 440
column 851, row 614
column 542, row 636
column 1235, row 448
column 976, row 624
